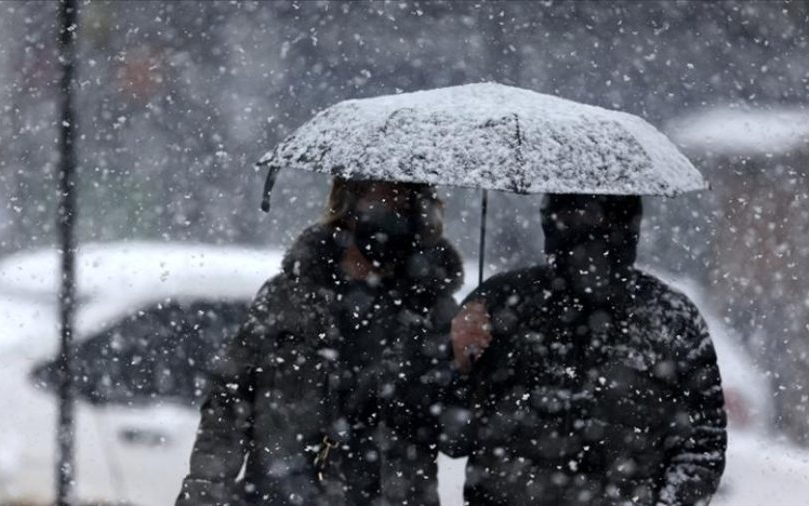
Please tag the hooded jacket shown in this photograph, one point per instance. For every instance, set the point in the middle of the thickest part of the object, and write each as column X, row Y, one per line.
column 299, row 370
column 578, row 401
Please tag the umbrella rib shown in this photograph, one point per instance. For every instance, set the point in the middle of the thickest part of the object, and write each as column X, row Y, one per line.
column 391, row 116
column 518, row 149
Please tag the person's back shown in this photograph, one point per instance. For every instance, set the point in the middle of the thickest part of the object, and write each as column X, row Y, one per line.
column 589, row 392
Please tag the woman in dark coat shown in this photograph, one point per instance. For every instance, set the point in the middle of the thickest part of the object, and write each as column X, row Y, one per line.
column 324, row 396
column 598, row 385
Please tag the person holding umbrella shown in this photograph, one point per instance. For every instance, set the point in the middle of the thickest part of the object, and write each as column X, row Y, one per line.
column 599, row 384
column 593, row 383
column 309, row 398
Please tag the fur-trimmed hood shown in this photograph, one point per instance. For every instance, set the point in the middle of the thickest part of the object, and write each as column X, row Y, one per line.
column 314, row 258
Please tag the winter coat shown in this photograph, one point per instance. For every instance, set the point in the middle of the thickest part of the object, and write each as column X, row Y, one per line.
column 322, row 355
column 576, row 407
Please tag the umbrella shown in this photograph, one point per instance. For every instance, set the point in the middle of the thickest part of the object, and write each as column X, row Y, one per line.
column 487, row 136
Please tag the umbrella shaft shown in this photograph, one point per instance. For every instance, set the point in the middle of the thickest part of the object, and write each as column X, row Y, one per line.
column 484, row 204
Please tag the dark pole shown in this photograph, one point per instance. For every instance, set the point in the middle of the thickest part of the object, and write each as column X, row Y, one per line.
column 66, row 215
column 484, row 204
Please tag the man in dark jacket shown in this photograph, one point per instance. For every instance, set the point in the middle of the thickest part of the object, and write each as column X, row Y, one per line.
column 308, row 407
column 598, row 384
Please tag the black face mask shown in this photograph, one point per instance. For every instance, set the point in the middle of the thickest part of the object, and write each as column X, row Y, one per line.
column 385, row 237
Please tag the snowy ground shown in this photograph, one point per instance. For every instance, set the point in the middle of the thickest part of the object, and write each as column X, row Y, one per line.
column 760, row 472
column 763, row 472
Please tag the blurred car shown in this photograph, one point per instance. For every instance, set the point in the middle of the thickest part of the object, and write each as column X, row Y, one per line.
column 162, row 352
column 149, row 317
column 152, row 320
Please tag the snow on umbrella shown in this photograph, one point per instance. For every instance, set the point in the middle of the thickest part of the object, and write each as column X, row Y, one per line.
column 488, row 136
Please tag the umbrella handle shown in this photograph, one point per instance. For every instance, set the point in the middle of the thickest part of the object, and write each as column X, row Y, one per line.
column 484, row 205
column 269, row 183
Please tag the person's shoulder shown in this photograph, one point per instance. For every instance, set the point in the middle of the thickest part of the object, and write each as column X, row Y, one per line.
column 307, row 261
column 655, row 290
column 267, row 296
column 313, row 253
column 517, row 281
column 676, row 308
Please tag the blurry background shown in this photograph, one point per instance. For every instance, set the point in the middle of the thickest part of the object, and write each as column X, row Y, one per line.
column 178, row 99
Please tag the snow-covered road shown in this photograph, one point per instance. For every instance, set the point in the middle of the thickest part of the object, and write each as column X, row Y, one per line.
column 759, row 472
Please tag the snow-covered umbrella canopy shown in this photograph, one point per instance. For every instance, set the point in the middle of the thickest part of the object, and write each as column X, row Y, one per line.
column 488, row 136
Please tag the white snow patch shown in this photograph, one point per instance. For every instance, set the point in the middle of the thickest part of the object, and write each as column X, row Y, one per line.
column 113, row 268
column 742, row 132
column 115, row 279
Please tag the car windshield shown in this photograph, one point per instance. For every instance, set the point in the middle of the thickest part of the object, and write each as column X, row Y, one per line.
column 162, row 352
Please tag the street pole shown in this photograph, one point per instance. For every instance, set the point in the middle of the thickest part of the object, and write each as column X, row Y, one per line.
column 66, row 215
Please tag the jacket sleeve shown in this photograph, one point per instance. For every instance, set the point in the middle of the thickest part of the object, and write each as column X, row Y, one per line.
column 224, row 433
column 457, row 419
column 418, row 372
column 411, row 393
column 696, row 456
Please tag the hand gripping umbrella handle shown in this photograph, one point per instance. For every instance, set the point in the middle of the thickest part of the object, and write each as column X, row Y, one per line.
column 272, row 174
